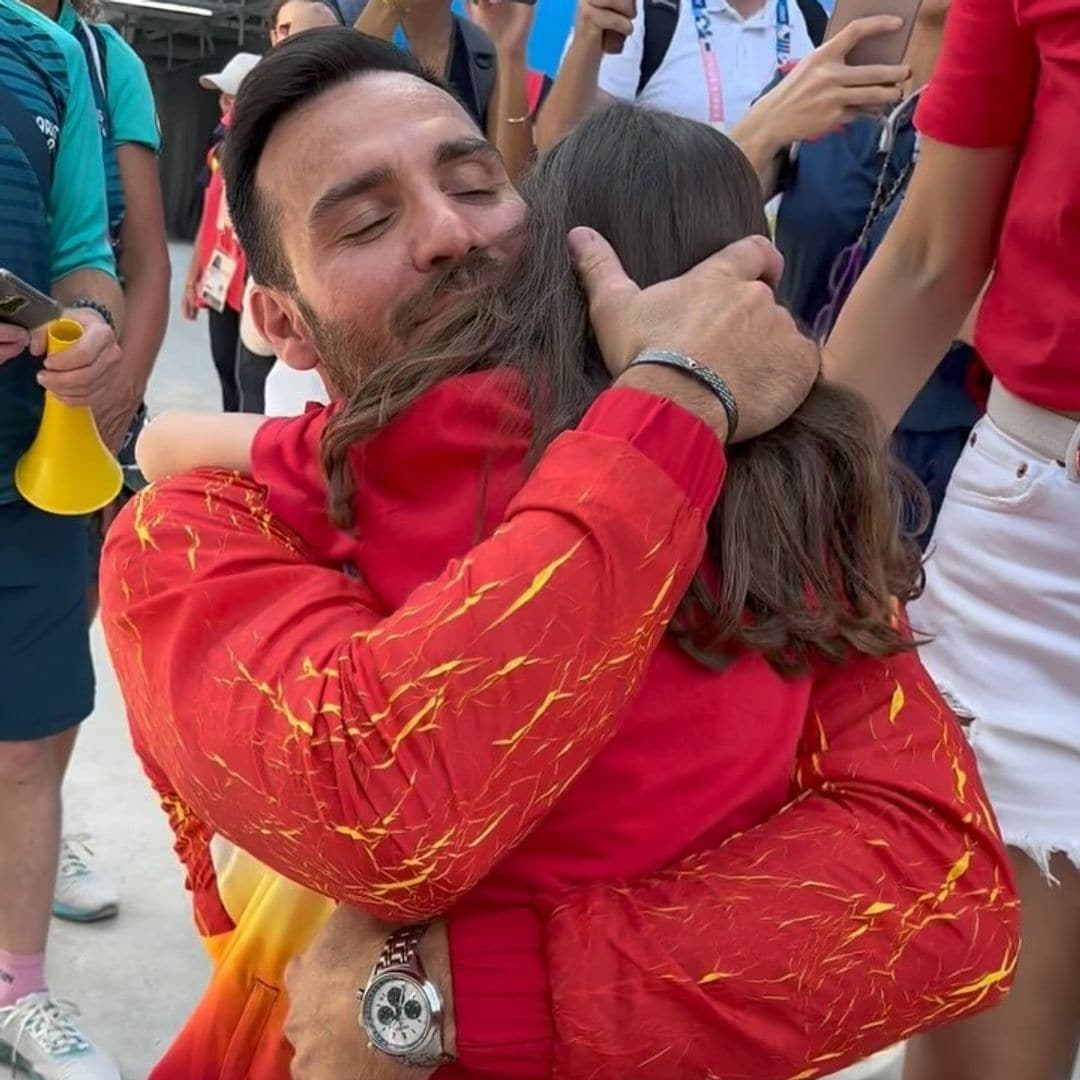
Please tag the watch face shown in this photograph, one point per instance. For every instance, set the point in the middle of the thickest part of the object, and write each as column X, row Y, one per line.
column 396, row 1014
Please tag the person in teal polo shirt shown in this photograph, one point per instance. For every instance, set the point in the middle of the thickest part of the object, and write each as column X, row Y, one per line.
column 130, row 141
column 54, row 235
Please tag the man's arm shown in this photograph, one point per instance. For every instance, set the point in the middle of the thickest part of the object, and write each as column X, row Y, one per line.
column 907, row 307
column 145, row 265
column 878, row 903
column 509, row 120
column 81, row 259
column 576, row 90
column 144, row 258
column 391, row 761
column 379, row 19
column 78, row 212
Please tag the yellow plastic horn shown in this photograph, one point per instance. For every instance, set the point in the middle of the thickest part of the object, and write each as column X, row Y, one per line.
column 68, row 469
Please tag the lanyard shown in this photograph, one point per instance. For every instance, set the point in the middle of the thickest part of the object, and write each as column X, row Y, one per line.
column 848, row 265
column 703, row 27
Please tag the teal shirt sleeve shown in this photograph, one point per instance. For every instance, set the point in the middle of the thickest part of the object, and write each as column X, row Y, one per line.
column 131, row 101
column 79, row 231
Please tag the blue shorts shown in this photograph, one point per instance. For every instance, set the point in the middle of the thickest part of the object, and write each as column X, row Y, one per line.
column 46, row 672
column 932, row 456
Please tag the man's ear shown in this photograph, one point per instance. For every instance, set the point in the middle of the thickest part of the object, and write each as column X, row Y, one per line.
column 278, row 319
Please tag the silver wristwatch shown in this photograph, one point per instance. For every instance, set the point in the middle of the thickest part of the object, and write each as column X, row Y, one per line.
column 401, row 1010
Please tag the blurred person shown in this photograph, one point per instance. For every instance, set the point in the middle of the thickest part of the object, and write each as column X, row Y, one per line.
column 342, row 723
column 216, row 273
column 454, row 48
column 287, row 17
column 704, row 59
column 519, row 91
column 264, row 385
column 996, row 193
column 284, row 392
column 54, row 235
column 131, row 140
column 843, row 176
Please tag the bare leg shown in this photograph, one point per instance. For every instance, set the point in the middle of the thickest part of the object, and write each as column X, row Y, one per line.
column 63, row 748
column 1034, row 1033
column 29, row 842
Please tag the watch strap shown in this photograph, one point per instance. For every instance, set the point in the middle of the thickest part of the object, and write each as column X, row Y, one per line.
column 400, row 949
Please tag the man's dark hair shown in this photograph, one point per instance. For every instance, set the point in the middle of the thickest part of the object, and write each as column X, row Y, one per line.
column 296, row 71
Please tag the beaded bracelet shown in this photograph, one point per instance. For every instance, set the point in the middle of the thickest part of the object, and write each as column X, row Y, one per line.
column 703, row 374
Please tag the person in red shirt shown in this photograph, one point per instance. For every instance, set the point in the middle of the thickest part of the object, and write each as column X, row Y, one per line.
column 215, row 277
column 997, row 192
column 504, row 644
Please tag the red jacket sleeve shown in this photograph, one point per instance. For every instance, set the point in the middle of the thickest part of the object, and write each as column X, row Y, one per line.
column 390, row 762
column 878, row 903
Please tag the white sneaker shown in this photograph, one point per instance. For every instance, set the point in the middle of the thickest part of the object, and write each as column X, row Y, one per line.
column 82, row 894
column 38, row 1034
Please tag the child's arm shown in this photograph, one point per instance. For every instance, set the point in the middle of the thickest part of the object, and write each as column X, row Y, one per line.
column 177, row 442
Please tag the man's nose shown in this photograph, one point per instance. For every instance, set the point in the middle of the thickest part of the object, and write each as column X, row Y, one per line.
column 443, row 234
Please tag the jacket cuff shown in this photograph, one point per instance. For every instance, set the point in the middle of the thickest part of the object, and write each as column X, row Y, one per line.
column 502, row 1001
column 681, row 444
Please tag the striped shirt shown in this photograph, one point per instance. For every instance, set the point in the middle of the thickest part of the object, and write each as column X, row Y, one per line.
column 50, row 229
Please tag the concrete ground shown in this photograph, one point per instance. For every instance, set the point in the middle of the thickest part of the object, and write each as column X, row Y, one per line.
column 136, row 977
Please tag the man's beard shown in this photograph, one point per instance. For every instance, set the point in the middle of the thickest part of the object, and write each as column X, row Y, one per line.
column 351, row 351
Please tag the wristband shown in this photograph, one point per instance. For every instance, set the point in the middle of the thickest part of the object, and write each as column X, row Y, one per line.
column 704, row 375
column 93, row 305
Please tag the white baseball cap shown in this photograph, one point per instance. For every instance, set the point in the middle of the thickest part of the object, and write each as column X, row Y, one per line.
column 229, row 78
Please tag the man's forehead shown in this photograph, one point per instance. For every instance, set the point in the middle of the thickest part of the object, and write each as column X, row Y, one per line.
column 361, row 124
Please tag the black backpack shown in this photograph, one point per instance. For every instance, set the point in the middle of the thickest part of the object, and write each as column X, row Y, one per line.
column 662, row 15
column 481, row 61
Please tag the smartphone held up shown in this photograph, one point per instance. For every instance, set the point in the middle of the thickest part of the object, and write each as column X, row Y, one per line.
column 23, row 305
column 889, row 48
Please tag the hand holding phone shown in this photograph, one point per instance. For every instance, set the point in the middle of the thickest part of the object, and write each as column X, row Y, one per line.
column 823, row 92
column 613, row 18
column 22, row 305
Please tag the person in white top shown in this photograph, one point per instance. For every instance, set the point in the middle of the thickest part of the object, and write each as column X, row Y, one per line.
column 288, row 391
column 703, row 59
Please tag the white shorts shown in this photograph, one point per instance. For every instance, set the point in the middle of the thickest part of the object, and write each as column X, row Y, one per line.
column 1002, row 602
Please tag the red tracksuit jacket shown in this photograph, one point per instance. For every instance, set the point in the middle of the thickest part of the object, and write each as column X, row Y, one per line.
column 409, row 748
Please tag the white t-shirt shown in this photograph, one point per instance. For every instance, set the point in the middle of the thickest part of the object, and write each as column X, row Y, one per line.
column 288, row 391
column 746, row 57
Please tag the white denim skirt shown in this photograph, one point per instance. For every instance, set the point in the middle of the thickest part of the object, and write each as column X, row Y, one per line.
column 1002, row 604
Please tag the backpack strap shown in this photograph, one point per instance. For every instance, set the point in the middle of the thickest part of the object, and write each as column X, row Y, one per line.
column 816, row 18
column 97, row 58
column 481, row 61
column 661, row 17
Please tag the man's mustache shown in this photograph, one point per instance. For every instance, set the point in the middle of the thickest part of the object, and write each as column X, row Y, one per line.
column 475, row 272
